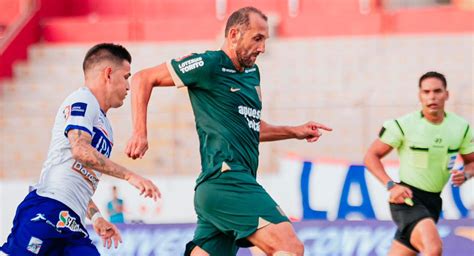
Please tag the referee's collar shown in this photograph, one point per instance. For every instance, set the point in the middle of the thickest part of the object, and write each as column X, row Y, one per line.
column 423, row 116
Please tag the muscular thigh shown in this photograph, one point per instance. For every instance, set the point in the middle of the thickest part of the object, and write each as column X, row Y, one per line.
column 425, row 234
column 44, row 226
column 212, row 241
column 281, row 235
column 236, row 205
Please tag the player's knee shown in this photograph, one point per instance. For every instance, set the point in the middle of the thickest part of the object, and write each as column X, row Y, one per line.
column 282, row 253
column 293, row 248
column 299, row 248
column 434, row 249
column 193, row 250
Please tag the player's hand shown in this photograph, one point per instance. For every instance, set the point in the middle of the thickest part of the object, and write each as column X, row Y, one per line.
column 457, row 177
column 108, row 232
column 310, row 131
column 146, row 187
column 137, row 146
column 398, row 194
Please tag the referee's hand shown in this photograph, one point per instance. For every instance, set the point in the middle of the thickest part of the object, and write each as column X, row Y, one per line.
column 457, row 177
column 398, row 193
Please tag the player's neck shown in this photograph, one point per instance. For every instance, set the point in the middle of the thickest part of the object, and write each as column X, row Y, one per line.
column 434, row 117
column 232, row 56
column 99, row 94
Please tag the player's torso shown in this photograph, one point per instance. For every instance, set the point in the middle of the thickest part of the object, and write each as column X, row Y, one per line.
column 232, row 96
column 102, row 141
column 433, row 145
column 62, row 177
column 227, row 108
column 429, row 150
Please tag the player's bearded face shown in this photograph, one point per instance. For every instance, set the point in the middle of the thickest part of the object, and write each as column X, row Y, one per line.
column 246, row 55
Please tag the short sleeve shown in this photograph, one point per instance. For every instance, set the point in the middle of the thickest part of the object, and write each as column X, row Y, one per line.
column 80, row 113
column 391, row 134
column 467, row 144
column 191, row 70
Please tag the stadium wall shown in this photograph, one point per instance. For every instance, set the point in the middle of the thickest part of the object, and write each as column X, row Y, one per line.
column 305, row 190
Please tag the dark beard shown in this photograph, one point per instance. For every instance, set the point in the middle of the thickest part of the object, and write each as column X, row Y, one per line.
column 244, row 62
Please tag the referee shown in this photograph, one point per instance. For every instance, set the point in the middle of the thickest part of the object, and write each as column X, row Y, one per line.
column 427, row 142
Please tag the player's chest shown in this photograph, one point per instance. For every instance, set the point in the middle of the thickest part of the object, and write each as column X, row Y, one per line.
column 102, row 135
column 440, row 139
column 238, row 88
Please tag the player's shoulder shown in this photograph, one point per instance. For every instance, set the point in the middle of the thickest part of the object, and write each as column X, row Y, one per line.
column 207, row 56
column 410, row 118
column 455, row 119
column 83, row 98
column 81, row 93
column 407, row 118
column 403, row 122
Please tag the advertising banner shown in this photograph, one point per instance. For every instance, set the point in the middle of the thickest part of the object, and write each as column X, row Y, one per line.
column 340, row 237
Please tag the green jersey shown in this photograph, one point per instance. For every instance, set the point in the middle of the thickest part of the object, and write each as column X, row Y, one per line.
column 427, row 151
column 227, row 108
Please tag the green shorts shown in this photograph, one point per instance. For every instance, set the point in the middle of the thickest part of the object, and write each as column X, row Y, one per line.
column 230, row 208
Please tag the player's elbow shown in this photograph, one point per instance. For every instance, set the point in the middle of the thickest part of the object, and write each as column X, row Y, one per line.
column 78, row 152
column 137, row 78
column 369, row 156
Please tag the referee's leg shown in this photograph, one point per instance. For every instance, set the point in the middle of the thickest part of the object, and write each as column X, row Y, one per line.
column 426, row 239
column 399, row 249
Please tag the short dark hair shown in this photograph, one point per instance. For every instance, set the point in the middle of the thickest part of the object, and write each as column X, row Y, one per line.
column 433, row 74
column 241, row 17
column 105, row 51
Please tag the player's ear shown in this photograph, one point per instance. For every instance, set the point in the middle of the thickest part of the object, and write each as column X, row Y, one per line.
column 234, row 35
column 107, row 73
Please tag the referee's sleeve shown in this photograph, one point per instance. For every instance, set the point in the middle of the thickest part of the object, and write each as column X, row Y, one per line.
column 467, row 145
column 391, row 134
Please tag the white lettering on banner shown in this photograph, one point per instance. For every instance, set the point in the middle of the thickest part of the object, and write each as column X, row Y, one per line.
column 340, row 238
column 191, row 64
column 325, row 185
column 162, row 242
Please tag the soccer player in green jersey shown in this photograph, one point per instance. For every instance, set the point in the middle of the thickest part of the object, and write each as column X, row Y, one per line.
column 224, row 88
column 428, row 142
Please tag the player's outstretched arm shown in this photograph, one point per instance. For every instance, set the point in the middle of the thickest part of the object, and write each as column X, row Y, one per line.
column 142, row 86
column 309, row 131
column 108, row 232
column 373, row 162
column 89, row 157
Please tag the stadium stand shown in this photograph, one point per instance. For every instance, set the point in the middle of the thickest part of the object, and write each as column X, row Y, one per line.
column 350, row 64
column 346, row 80
column 335, row 73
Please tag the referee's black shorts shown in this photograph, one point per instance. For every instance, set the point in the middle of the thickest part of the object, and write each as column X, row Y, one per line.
column 426, row 205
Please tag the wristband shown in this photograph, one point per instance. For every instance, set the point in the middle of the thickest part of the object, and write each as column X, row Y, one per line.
column 95, row 217
column 390, row 184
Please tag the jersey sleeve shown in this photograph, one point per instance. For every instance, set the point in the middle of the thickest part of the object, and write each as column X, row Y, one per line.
column 467, row 145
column 391, row 134
column 80, row 113
column 190, row 70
